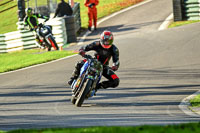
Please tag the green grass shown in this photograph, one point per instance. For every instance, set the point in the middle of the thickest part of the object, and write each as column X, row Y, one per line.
column 195, row 102
column 9, row 18
column 21, row 59
column 180, row 23
column 182, row 128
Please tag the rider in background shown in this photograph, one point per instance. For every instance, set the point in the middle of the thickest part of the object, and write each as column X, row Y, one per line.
column 31, row 19
column 104, row 50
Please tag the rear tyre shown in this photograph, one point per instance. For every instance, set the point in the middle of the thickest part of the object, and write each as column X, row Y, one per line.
column 84, row 91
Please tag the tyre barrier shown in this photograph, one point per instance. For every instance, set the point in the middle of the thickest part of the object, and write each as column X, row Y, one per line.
column 73, row 23
column 77, row 16
column 186, row 10
column 15, row 41
column 177, row 10
column 191, row 9
column 70, row 28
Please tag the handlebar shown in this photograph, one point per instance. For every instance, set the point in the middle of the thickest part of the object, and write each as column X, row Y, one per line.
column 87, row 56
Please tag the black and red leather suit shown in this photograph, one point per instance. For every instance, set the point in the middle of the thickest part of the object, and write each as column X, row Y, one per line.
column 104, row 56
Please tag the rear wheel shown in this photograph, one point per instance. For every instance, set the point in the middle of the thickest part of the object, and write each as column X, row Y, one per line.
column 84, row 91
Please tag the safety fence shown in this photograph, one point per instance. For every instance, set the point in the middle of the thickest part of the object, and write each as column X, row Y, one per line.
column 186, row 10
column 64, row 31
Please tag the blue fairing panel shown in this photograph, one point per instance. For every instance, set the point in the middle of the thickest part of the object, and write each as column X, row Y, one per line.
column 84, row 67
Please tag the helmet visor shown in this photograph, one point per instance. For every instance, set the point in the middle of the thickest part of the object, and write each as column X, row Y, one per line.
column 29, row 12
column 106, row 43
column 106, row 46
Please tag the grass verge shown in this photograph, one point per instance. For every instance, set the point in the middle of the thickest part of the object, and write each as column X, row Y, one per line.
column 180, row 23
column 21, row 59
column 182, row 128
column 195, row 102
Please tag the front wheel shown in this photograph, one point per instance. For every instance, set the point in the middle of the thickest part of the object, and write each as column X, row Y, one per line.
column 84, row 91
column 53, row 43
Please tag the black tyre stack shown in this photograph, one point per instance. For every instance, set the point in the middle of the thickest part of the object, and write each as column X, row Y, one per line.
column 177, row 10
column 71, row 29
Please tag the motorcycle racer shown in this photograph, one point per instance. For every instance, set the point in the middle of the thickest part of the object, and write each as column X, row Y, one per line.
column 104, row 50
column 31, row 20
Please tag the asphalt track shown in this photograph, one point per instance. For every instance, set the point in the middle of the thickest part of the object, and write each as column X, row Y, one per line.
column 158, row 69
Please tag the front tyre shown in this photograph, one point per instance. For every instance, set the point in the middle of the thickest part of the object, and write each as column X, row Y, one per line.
column 53, row 43
column 84, row 91
column 73, row 99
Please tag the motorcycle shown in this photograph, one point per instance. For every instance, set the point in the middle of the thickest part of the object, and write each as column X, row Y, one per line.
column 89, row 77
column 46, row 37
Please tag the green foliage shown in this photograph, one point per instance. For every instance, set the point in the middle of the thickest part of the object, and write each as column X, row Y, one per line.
column 21, row 59
column 195, row 102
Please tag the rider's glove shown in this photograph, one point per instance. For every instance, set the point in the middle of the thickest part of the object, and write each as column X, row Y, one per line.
column 115, row 66
column 46, row 19
column 82, row 52
column 91, row 5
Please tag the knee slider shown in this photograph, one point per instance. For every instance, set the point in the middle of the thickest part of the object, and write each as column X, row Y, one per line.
column 116, row 82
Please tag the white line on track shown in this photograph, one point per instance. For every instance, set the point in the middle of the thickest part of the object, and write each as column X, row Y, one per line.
column 166, row 23
column 184, row 105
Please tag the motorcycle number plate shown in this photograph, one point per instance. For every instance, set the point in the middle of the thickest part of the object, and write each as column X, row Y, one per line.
column 78, row 83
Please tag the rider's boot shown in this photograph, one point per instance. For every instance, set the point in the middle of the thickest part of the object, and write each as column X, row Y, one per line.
column 75, row 74
column 99, row 86
column 71, row 81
